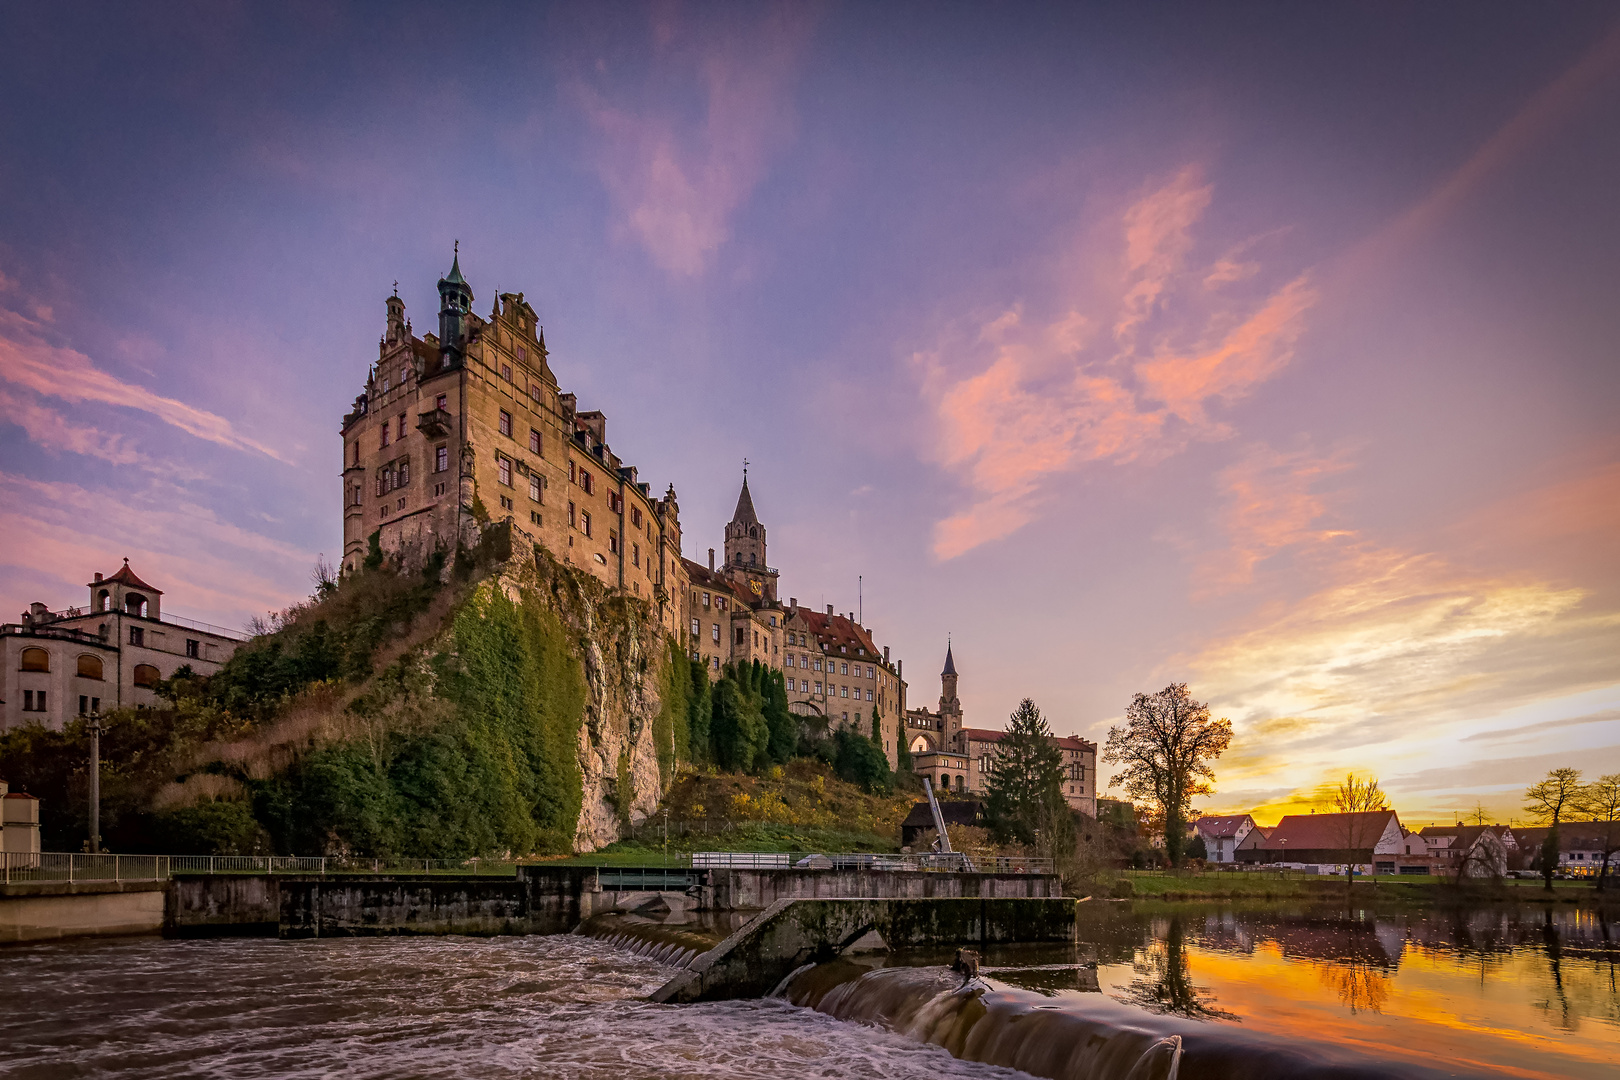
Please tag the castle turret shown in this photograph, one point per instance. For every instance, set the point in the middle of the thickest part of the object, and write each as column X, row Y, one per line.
column 455, row 304
column 745, row 549
column 396, row 320
column 950, row 709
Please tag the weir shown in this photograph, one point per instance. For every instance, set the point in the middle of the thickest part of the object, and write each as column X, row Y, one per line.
column 792, row 933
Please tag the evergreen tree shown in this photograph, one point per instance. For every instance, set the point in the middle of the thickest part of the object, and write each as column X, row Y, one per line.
column 782, row 724
column 877, row 728
column 737, row 729
column 1024, row 791
column 859, row 760
column 700, row 709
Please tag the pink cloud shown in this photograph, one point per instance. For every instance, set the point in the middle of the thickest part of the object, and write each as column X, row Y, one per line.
column 1024, row 399
column 1270, row 506
column 62, row 533
column 53, row 431
column 30, row 361
column 676, row 184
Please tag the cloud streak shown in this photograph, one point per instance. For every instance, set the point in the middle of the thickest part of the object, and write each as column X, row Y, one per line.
column 30, row 361
column 675, row 183
column 1022, row 400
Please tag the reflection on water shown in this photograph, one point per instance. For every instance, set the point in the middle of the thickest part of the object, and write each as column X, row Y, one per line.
column 1273, row 991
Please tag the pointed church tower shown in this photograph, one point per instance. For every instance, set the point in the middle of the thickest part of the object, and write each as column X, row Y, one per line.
column 950, row 709
column 745, row 549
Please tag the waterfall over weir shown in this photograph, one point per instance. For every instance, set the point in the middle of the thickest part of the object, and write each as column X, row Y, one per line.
column 1061, row 1039
column 676, row 946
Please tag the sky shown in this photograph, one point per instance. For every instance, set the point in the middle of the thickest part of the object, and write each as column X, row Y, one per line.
column 1268, row 348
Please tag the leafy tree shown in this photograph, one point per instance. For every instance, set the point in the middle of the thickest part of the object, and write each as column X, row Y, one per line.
column 1196, row 848
column 1353, row 798
column 859, row 760
column 1024, row 791
column 1547, row 801
column 1600, row 801
column 1166, row 747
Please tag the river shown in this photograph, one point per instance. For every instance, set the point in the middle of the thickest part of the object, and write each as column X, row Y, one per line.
column 1512, row 992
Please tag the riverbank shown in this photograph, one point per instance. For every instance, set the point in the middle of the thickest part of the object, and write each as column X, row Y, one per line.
column 1388, row 889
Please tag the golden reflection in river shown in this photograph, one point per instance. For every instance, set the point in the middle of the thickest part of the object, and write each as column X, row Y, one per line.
column 1362, row 987
column 1164, row 983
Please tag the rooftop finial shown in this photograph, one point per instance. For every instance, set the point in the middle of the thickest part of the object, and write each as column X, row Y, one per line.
column 396, row 286
column 745, row 470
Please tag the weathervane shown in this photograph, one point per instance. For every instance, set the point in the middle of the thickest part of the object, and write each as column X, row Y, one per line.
column 745, row 468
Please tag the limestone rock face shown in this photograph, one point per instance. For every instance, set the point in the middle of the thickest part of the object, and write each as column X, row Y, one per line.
column 622, row 647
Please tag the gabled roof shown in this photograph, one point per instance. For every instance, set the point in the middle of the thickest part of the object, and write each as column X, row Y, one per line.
column 714, row 581
column 991, row 735
column 127, row 577
column 1300, row 832
column 1218, row 827
column 832, row 631
column 745, row 507
column 954, row 811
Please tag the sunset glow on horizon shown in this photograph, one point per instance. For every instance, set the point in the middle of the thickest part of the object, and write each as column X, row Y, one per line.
column 1263, row 348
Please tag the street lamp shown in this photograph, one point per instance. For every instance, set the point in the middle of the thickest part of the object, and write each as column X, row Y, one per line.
column 95, row 782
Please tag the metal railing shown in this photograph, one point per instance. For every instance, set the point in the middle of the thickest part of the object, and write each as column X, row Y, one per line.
column 207, row 628
column 56, row 866
column 950, row 862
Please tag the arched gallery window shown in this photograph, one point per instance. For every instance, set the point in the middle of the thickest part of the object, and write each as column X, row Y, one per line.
column 146, row 675
column 36, row 660
column 89, row 667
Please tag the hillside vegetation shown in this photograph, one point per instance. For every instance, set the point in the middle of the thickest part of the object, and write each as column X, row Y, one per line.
column 507, row 707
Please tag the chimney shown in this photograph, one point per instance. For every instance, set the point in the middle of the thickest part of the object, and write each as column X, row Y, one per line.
column 829, row 609
column 98, row 576
column 885, row 654
column 711, row 560
column 793, row 604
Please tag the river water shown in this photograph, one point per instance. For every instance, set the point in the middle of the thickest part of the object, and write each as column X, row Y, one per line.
column 1516, row 993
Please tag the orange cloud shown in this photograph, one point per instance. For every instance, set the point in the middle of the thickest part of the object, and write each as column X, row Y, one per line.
column 28, row 360
column 1022, row 400
column 676, row 187
column 1269, row 506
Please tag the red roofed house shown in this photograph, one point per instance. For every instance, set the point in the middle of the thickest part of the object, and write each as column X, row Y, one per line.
column 958, row 758
column 1327, row 843
column 1222, row 835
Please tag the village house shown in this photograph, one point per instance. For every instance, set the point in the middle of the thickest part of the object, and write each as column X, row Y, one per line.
column 1222, row 835
column 1371, row 842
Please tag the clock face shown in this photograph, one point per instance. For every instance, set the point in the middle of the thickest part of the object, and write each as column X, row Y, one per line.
column 759, row 590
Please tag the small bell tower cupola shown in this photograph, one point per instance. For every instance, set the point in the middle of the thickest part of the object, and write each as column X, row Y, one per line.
column 455, row 305
column 950, row 709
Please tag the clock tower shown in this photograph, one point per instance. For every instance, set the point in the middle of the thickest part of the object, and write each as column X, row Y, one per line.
column 745, row 551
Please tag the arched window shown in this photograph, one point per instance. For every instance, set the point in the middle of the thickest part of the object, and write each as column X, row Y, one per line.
column 101, row 600
column 753, row 533
column 135, row 604
column 89, row 667
column 146, row 675
column 36, row 660
column 751, row 558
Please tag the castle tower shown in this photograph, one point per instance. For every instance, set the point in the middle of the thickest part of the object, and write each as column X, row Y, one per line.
column 396, row 320
column 745, row 549
column 455, row 304
column 950, row 709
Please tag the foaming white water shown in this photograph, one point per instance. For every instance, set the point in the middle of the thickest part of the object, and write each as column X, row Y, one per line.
column 567, row 1007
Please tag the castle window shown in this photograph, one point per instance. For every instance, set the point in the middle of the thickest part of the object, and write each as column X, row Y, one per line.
column 534, row 441
column 715, row 660
column 817, row 665
column 534, row 488
column 402, row 425
column 534, row 392
column 635, row 516
column 146, row 675
column 385, row 434
column 357, row 494
column 818, row 687
column 137, row 635
column 635, row 554
column 613, row 542
column 33, row 702
column 535, row 518
column 404, row 473
column 193, row 648
column 570, row 515
column 843, row 691
column 869, row 695
column 441, row 459
column 717, row 633
column 89, row 667
column 504, row 467
column 572, row 476
column 585, row 522
column 705, row 599
column 587, row 481
column 442, row 402
column 845, row 669
column 404, row 373
column 36, row 660
column 506, row 423
column 523, row 353
column 695, row 628
column 506, row 372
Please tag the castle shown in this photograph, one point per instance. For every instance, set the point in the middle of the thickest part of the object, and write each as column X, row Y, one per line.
column 469, row 427
column 959, row 759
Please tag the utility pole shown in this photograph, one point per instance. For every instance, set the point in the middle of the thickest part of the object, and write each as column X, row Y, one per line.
column 95, row 783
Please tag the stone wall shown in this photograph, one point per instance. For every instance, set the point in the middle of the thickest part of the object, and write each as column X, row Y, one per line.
column 45, row 911
column 745, row 889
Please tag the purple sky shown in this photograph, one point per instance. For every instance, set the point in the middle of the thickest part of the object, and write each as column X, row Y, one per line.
column 1253, row 346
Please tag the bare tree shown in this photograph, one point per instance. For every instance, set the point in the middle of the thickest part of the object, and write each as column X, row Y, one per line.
column 1547, row 801
column 1354, row 798
column 1600, row 801
column 1166, row 747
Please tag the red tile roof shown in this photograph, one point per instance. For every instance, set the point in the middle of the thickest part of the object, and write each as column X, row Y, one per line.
column 1062, row 742
column 1299, row 832
column 127, row 577
column 704, row 578
column 835, row 630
